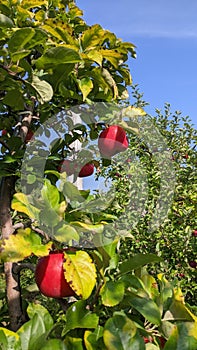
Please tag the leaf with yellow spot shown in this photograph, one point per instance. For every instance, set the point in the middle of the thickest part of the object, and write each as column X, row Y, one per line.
column 80, row 273
column 23, row 244
column 86, row 86
column 20, row 203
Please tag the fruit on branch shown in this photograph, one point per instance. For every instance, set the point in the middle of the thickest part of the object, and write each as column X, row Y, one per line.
column 86, row 170
column 71, row 167
column 194, row 233
column 49, row 276
column 68, row 166
column 4, row 132
column 112, row 140
column 193, row 264
column 29, row 136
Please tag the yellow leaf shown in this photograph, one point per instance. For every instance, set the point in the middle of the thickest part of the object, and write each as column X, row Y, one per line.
column 80, row 273
column 22, row 245
column 20, row 203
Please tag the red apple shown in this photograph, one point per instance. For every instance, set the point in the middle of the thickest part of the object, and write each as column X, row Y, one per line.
column 49, row 276
column 86, row 170
column 4, row 132
column 194, row 233
column 67, row 166
column 112, row 140
column 71, row 167
column 193, row 264
column 29, row 136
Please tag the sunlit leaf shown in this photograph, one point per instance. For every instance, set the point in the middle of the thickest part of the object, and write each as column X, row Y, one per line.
column 57, row 55
column 112, row 292
column 80, row 273
column 28, row 4
column 86, row 86
column 43, row 89
column 66, row 233
column 20, row 38
column 9, row 340
column 21, row 204
column 92, row 37
column 22, row 245
column 5, row 22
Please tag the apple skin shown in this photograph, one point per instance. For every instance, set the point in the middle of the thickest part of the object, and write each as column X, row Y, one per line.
column 29, row 136
column 112, row 140
column 71, row 167
column 49, row 276
column 86, row 170
column 4, row 132
column 194, row 233
column 67, row 166
column 193, row 264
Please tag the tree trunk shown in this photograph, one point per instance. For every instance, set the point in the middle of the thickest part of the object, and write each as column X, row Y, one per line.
column 12, row 278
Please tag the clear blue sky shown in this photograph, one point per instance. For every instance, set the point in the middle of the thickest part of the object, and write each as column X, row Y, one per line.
column 165, row 33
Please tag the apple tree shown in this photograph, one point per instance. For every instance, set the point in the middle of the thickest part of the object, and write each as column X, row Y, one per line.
column 54, row 67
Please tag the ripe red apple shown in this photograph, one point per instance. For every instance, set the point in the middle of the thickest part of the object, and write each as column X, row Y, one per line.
column 49, row 276
column 71, row 167
column 29, row 136
column 194, row 233
column 86, row 170
column 193, row 264
column 112, row 140
column 67, row 166
column 4, row 132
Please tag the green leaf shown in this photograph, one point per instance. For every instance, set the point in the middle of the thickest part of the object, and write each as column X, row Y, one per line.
column 66, row 233
column 86, row 86
column 94, row 340
column 145, row 306
column 43, row 89
column 50, row 195
column 28, row 4
column 96, row 56
column 71, row 191
column 9, row 340
column 80, row 273
column 74, row 343
column 92, row 37
column 34, row 332
column 22, row 245
column 178, row 312
column 57, row 55
column 78, row 316
column 34, row 309
column 119, row 332
column 5, row 22
column 112, row 292
column 14, row 99
column 138, row 261
column 54, row 344
column 20, row 38
column 21, row 204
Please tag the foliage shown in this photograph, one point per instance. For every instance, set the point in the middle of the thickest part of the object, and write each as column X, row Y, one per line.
column 51, row 61
column 174, row 240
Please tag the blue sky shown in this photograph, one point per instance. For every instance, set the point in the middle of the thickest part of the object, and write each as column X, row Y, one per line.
column 165, row 34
